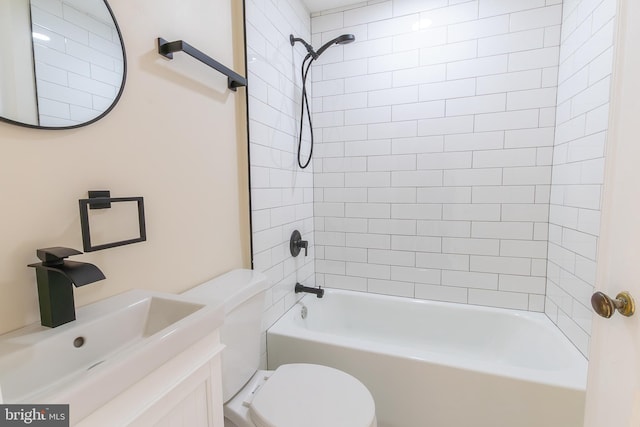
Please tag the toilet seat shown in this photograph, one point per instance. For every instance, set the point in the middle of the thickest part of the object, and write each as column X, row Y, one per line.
column 307, row 395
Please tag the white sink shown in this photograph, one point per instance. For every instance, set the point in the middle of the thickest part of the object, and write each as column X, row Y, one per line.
column 111, row 345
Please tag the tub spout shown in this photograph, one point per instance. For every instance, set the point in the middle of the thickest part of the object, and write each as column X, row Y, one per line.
column 318, row 291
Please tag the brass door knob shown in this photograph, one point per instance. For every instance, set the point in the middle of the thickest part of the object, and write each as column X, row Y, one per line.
column 605, row 306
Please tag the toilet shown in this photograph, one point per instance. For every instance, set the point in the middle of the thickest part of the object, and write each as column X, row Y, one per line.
column 294, row 395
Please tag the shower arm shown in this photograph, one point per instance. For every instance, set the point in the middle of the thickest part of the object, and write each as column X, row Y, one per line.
column 310, row 50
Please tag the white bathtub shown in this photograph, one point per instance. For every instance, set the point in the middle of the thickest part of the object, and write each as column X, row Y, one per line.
column 433, row 364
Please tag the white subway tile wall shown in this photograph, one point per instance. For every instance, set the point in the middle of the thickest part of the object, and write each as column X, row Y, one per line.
column 282, row 193
column 584, row 78
column 78, row 62
column 435, row 142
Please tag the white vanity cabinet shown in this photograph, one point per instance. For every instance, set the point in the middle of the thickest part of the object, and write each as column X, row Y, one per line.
column 186, row 391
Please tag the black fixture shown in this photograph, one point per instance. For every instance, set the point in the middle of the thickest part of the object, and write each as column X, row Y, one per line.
column 55, row 277
column 318, row 291
column 296, row 244
column 312, row 55
column 167, row 49
column 102, row 200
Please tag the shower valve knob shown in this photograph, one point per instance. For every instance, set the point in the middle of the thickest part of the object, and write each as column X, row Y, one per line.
column 605, row 305
column 296, row 244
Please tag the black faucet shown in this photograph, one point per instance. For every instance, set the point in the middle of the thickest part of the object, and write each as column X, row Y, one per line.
column 55, row 277
column 296, row 243
column 318, row 291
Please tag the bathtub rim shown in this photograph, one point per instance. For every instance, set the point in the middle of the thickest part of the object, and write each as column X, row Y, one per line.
column 573, row 377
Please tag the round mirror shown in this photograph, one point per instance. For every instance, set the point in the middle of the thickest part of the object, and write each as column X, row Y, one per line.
column 62, row 62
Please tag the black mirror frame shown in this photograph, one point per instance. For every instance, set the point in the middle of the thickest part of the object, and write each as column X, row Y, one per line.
column 108, row 110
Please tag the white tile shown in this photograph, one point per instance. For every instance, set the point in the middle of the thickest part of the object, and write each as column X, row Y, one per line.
column 476, row 104
column 504, row 194
column 421, row 110
column 521, row 80
column 367, row 148
column 364, row 15
column 345, row 195
column 340, row 70
column 444, row 195
column 402, row 95
column 417, row 275
column 419, row 38
column 527, row 175
column 394, row 26
column 478, row 28
column 512, row 300
column 533, row 59
column 328, row 22
column 388, row 287
column 447, row 90
column 332, row 238
column 366, row 210
column 522, row 138
column 500, row 7
column 419, row 75
column 394, row 61
column 392, row 226
column 442, row 261
column 502, row 230
column 470, row 279
column 391, row 163
column 452, row 160
column 523, row 248
column 512, row 42
column 471, row 212
column 367, row 115
column 346, row 282
column 344, row 102
column 470, row 246
column 536, row 18
column 505, row 158
column 401, row 178
column 338, row 253
column 477, row 67
column 504, row 265
column 412, row 6
column 416, row 145
column 474, row 141
column 448, row 53
column 331, row 267
column 445, row 126
column 368, row 83
column 386, row 257
column 522, row 119
column 368, row 179
column 525, row 212
column 373, row 271
column 536, row 98
column 444, row 228
column 472, row 177
column 416, row 243
column 361, row 240
column 350, row 225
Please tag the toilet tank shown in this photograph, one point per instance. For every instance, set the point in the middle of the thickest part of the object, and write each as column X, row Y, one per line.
column 242, row 293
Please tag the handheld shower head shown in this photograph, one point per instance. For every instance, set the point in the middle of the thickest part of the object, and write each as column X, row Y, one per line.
column 343, row 39
column 312, row 55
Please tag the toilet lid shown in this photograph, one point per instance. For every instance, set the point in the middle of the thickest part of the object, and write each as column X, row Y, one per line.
column 299, row 395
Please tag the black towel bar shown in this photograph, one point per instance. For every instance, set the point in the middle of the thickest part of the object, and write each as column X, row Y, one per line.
column 167, row 49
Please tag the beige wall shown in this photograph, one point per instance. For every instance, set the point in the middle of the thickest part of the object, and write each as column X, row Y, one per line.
column 177, row 137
